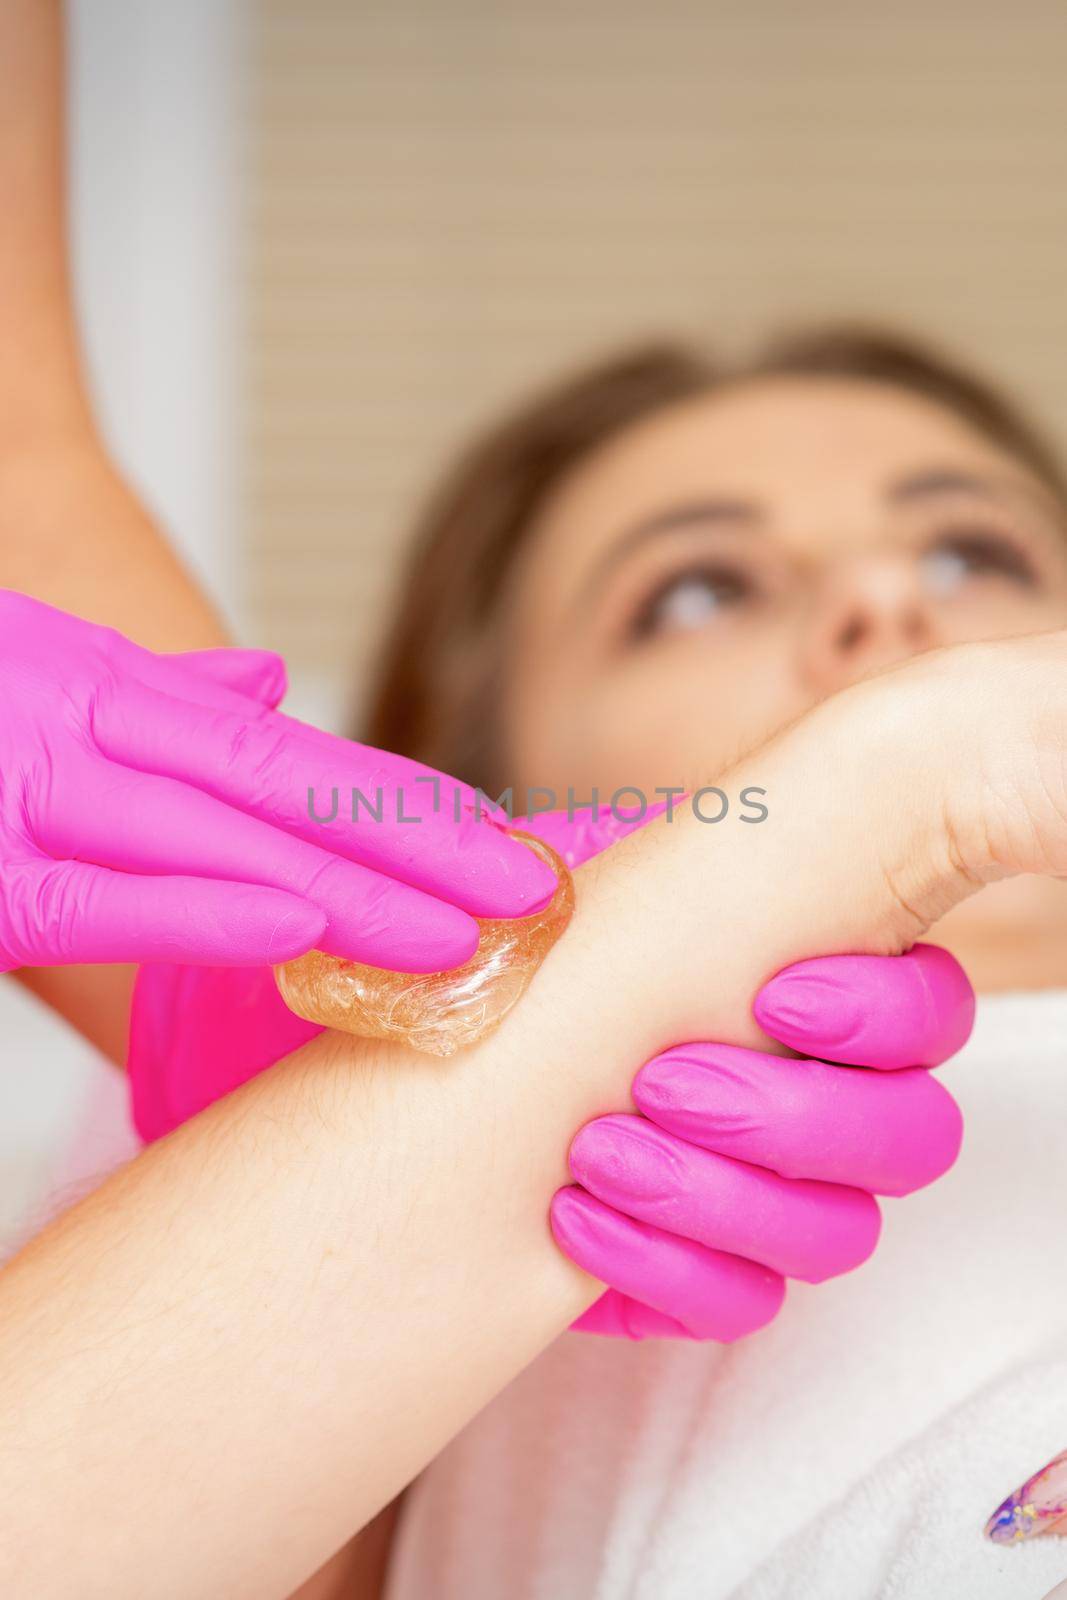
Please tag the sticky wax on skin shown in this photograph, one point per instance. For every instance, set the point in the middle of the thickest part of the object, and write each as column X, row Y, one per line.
column 435, row 1012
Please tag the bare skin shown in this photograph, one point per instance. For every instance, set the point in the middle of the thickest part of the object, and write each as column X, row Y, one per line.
column 71, row 531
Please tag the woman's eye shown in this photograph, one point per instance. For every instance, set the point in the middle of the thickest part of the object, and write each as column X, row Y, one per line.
column 954, row 557
column 689, row 600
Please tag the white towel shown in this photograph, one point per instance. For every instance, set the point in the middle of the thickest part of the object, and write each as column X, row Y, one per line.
column 853, row 1449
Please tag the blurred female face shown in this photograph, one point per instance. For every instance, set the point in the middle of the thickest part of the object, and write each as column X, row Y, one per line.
column 721, row 566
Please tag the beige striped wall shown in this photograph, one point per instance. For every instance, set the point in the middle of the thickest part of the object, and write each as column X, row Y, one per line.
column 445, row 199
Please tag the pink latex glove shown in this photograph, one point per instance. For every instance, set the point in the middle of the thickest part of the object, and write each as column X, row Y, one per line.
column 742, row 1169
column 156, row 808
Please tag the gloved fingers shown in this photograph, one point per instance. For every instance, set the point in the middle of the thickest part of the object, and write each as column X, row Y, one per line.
column 410, row 823
column 714, row 1295
column 889, row 1133
column 797, row 1227
column 913, row 1010
column 57, row 912
column 138, row 823
column 617, row 1316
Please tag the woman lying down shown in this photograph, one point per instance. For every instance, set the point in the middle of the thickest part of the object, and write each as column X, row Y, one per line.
column 834, row 577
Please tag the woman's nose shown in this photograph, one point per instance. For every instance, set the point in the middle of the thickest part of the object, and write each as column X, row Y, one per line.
column 868, row 615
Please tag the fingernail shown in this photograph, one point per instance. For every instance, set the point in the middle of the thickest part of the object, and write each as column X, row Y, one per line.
column 581, row 1226
column 620, row 1160
column 1034, row 1508
column 529, row 882
column 295, row 933
column 543, row 885
column 797, row 1007
column 699, row 1087
column 538, row 883
column 587, row 1218
column 270, row 678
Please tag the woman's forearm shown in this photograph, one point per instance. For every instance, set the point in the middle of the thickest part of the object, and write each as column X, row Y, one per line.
column 279, row 1313
column 285, row 1309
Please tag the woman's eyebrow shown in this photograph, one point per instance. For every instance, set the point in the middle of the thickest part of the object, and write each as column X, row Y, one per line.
column 690, row 513
column 934, row 481
column 943, row 480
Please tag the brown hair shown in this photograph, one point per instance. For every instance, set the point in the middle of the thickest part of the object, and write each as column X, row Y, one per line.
column 434, row 694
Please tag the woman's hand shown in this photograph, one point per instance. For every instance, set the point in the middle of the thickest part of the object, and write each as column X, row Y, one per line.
column 157, row 808
column 737, row 1157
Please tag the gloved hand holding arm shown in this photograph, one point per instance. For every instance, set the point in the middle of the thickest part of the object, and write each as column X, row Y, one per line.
column 736, row 1153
